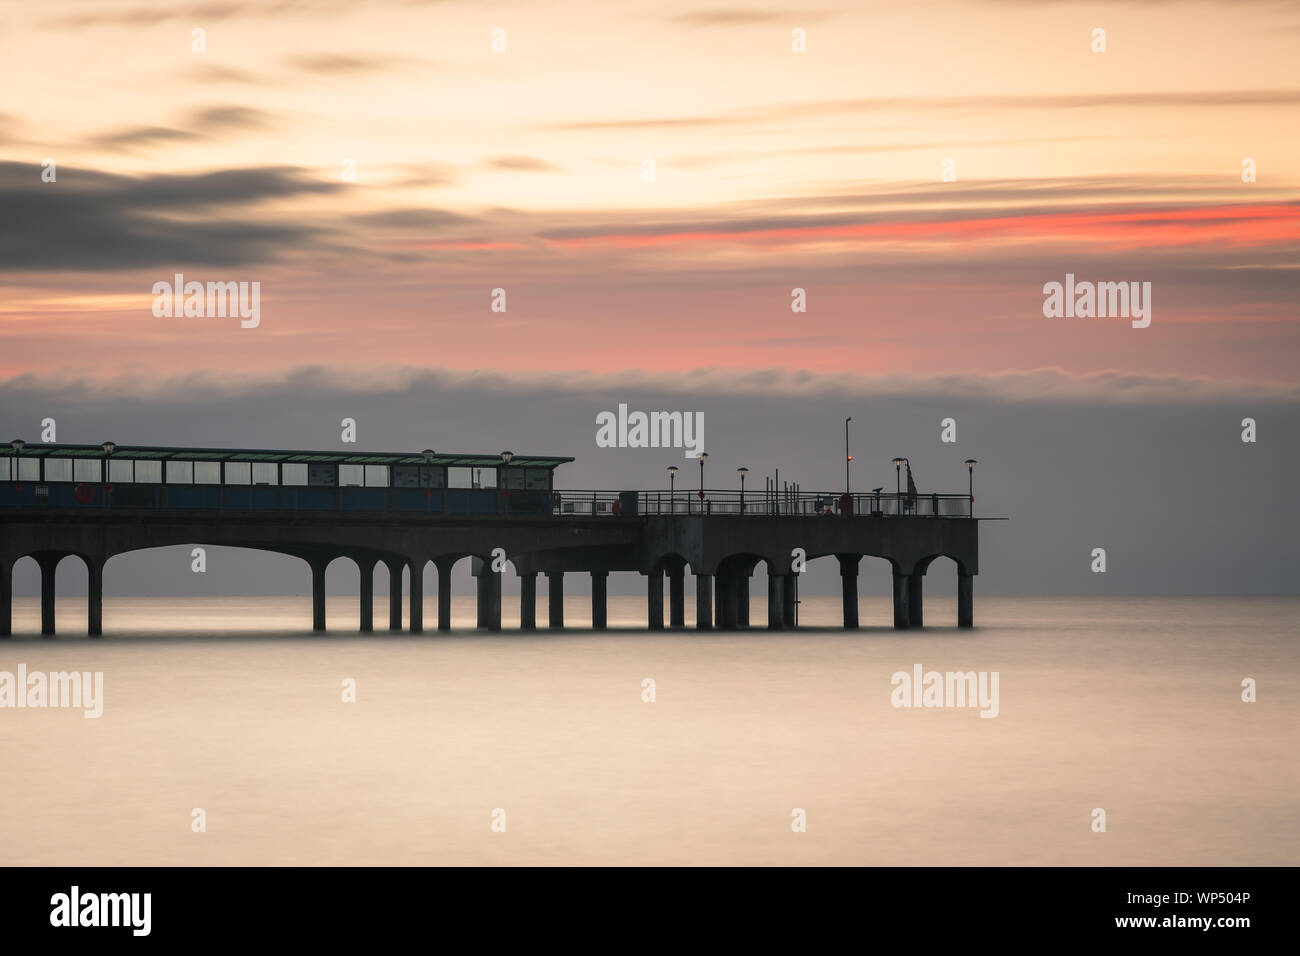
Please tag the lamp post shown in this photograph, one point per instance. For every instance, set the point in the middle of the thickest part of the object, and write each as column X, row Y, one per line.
column 672, row 489
column 504, row 484
column 703, row 455
column 898, row 476
column 847, row 457
column 742, row 471
column 109, row 447
column 17, row 445
column 970, row 485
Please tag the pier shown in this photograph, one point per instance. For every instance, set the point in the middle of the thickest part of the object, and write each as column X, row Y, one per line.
column 406, row 510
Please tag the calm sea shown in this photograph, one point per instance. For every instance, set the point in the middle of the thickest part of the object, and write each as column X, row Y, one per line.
column 1129, row 705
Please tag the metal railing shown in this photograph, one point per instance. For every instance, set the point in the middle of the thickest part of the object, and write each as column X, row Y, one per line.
column 781, row 502
column 58, row 496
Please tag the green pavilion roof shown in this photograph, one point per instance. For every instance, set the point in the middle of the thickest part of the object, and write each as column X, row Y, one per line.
column 151, row 452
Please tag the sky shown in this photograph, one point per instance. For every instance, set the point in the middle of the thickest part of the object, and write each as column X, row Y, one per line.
column 649, row 184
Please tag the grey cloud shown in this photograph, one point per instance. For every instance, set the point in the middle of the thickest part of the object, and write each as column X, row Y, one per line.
column 94, row 221
column 200, row 124
column 413, row 219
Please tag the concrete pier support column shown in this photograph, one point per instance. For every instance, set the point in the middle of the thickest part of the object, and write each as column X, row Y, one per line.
column 727, row 611
column 444, row 593
column 367, row 568
column 849, row 587
column 902, row 590
column 483, row 599
column 394, row 595
column 48, row 563
column 776, row 601
column 599, row 600
column 528, row 601
column 6, row 599
column 742, row 600
column 915, row 600
column 555, row 598
column 318, row 595
column 677, row 598
column 655, row 600
column 95, row 597
column 417, row 597
column 965, row 600
column 703, row 602
column 789, row 597
column 490, row 590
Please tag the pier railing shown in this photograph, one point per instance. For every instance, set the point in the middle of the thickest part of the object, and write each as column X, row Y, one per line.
column 732, row 502
column 91, row 497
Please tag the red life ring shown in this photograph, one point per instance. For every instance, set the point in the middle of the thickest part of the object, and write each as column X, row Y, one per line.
column 84, row 494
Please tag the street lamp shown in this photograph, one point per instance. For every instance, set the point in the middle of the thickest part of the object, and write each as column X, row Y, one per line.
column 702, row 457
column 17, row 445
column 672, row 488
column 428, row 454
column 847, row 457
column 742, row 471
column 970, row 473
column 109, row 447
column 898, row 478
column 504, row 483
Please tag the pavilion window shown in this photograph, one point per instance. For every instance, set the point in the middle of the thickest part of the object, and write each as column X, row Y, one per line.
column 29, row 469
column 539, row 479
column 6, row 469
column 121, row 472
column 323, row 475
column 207, row 472
column 459, row 477
column 88, row 469
column 293, row 473
column 352, row 476
column 376, row 476
column 514, row 477
column 238, row 473
column 148, row 472
column 180, row 472
column 265, row 473
column 58, row 469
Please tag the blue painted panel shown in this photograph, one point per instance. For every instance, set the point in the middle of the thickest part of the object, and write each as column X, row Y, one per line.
column 364, row 499
column 264, row 498
column 238, row 498
column 192, row 497
column 311, row 499
column 416, row 499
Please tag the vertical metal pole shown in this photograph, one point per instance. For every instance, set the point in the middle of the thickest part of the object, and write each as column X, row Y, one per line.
column 846, row 453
